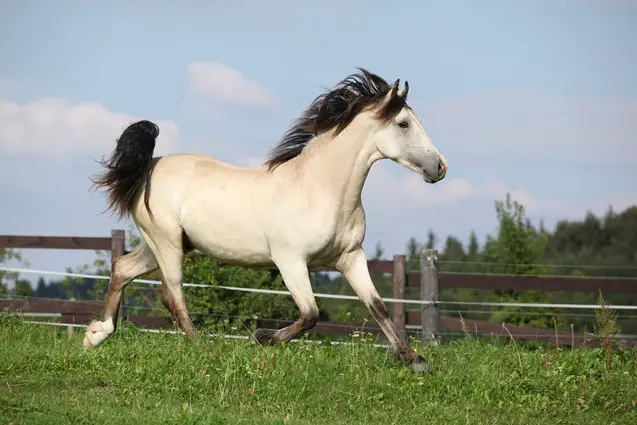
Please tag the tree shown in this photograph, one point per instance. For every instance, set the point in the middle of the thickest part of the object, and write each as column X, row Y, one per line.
column 413, row 249
column 6, row 255
column 379, row 252
column 7, row 277
column 23, row 288
column 413, row 254
column 517, row 248
column 431, row 240
column 473, row 249
column 41, row 286
column 453, row 250
column 453, row 255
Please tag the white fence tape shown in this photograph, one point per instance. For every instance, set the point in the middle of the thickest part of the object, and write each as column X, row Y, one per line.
column 332, row 296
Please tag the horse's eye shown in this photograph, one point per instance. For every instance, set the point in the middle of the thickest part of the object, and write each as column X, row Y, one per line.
column 403, row 124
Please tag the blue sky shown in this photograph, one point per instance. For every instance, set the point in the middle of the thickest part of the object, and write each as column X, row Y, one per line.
column 537, row 98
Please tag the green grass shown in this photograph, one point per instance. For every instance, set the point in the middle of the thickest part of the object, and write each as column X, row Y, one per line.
column 145, row 378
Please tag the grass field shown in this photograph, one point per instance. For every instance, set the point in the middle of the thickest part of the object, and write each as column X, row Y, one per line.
column 146, row 378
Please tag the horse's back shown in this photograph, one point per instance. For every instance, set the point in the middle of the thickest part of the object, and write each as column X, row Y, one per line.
column 216, row 204
column 202, row 163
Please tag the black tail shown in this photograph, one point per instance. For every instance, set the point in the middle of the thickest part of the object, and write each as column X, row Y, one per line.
column 129, row 167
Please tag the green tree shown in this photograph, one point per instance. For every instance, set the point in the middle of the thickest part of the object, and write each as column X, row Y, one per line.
column 23, row 288
column 453, row 255
column 6, row 278
column 473, row 250
column 379, row 252
column 454, row 249
column 517, row 249
column 432, row 240
column 413, row 254
column 413, row 249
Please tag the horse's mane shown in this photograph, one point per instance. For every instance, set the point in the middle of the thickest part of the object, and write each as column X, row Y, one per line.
column 335, row 110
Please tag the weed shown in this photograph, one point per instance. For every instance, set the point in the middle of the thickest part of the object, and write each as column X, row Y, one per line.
column 606, row 329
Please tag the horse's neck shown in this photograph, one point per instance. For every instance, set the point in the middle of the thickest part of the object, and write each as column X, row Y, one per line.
column 342, row 164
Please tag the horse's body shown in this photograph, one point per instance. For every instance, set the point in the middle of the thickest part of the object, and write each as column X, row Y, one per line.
column 302, row 210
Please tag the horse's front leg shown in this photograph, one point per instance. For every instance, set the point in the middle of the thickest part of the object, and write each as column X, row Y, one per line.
column 354, row 268
column 297, row 279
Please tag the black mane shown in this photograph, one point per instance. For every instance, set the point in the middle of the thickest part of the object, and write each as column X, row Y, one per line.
column 335, row 110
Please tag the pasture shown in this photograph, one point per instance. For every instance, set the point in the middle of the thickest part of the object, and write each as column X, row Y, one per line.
column 151, row 378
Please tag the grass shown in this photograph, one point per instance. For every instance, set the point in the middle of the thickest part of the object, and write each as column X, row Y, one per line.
column 147, row 378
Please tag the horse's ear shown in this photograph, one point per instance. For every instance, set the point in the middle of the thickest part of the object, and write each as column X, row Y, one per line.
column 394, row 87
column 391, row 93
column 403, row 93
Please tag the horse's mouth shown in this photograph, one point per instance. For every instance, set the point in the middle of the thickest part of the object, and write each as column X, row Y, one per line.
column 427, row 178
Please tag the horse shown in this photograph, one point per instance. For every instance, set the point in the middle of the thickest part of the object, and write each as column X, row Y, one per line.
column 301, row 209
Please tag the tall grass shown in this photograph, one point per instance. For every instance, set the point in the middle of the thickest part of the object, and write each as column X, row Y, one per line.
column 147, row 378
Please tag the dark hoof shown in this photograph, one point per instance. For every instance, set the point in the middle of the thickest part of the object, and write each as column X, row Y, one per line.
column 265, row 336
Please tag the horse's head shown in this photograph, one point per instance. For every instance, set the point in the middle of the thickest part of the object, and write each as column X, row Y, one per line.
column 401, row 137
column 381, row 112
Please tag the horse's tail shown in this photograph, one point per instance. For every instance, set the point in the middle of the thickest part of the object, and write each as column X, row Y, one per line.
column 129, row 168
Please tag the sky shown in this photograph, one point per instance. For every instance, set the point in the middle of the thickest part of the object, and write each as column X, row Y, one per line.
column 534, row 98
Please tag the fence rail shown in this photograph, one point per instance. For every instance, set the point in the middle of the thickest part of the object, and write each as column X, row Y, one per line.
column 429, row 279
column 82, row 312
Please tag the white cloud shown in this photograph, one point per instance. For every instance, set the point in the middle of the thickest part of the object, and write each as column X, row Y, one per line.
column 59, row 127
column 526, row 125
column 221, row 85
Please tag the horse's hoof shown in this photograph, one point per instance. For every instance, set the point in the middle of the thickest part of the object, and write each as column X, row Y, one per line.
column 96, row 333
column 265, row 336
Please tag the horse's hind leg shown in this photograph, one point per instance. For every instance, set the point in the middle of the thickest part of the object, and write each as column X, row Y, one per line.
column 166, row 299
column 125, row 269
column 296, row 277
column 169, row 254
column 175, row 300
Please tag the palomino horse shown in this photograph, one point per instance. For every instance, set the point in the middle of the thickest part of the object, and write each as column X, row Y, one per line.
column 301, row 210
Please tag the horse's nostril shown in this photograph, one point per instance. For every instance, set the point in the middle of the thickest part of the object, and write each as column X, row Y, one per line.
column 441, row 167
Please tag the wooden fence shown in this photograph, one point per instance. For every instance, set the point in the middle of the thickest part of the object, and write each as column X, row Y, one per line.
column 429, row 280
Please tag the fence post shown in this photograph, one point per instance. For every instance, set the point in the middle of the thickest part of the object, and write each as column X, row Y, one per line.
column 430, row 314
column 118, row 237
column 399, row 277
column 69, row 328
